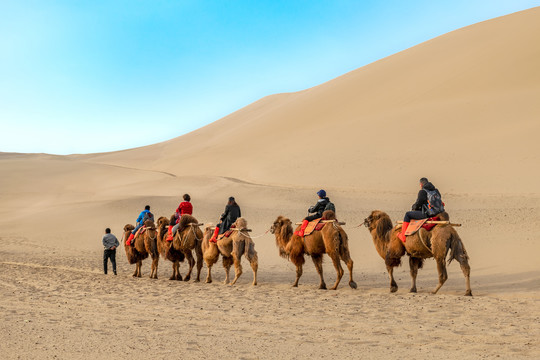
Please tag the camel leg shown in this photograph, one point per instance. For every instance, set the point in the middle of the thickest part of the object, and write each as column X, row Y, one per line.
column 173, row 276
column 237, row 269
column 339, row 270
column 317, row 260
column 464, row 263
column 414, row 264
column 136, row 268
column 254, row 266
column 178, row 275
column 199, row 254
column 393, row 284
column 191, row 262
column 346, row 257
column 443, row 276
column 299, row 272
column 227, row 263
column 139, row 266
column 209, row 276
column 155, row 263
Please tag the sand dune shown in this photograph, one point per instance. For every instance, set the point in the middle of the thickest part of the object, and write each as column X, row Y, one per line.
column 461, row 109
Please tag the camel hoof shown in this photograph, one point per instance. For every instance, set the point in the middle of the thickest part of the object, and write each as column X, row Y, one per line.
column 413, row 290
column 393, row 289
column 172, row 278
column 254, row 284
column 179, row 278
column 295, row 285
column 197, row 280
column 353, row 285
column 322, row 287
column 208, row 281
column 187, row 278
column 468, row 293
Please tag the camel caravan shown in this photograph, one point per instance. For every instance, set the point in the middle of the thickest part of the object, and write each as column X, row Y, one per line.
column 426, row 232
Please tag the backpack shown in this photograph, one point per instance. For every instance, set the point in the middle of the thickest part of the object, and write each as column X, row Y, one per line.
column 435, row 205
column 148, row 216
column 330, row 206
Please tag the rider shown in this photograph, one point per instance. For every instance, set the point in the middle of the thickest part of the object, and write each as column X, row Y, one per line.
column 143, row 216
column 317, row 209
column 229, row 216
column 421, row 209
column 184, row 208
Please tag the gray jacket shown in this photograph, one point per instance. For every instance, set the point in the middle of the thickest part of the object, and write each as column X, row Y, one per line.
column 109, row 240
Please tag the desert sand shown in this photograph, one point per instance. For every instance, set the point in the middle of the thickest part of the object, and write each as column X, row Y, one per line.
column 461, row 109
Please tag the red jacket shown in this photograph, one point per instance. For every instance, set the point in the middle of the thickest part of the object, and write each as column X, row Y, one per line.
column 185, row 207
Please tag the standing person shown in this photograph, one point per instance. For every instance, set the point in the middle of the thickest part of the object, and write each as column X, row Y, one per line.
column 229, row 216
column 143, row 216
column 428, row 204
column 185, row 208
column 110, row 243
column 317, row 210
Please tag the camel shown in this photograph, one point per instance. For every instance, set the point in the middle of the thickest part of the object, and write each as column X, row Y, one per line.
column 187, row 239
column 166, row 250
column 231, row 249
column 331, row 240
column 145, row 245
column 420, row 246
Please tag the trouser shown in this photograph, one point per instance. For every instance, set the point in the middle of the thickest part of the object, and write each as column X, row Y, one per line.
column 112, row 255
column 175, row 229
column 416, row 215
column 312, row 217
column 139, row 225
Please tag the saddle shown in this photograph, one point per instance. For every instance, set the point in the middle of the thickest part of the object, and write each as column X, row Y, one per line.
column 415, row 225
column 141, row 230
column 226, row 234
column 314, row 225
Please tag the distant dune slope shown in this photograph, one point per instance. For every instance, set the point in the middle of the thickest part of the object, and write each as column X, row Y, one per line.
column 462, row 108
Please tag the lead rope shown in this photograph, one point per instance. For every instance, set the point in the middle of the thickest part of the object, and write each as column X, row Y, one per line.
column 254, row 237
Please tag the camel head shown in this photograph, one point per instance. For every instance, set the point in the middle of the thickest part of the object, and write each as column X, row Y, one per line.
column 128, row 227
column 283, row 230
column 162, row 222
column 379, row 221
column 209, row 230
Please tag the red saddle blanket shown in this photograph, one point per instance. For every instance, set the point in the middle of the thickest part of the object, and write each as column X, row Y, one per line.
column 227, row 233
column 415, row 225
column 169, row 234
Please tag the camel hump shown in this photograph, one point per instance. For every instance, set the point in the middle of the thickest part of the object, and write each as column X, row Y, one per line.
column 329, row 215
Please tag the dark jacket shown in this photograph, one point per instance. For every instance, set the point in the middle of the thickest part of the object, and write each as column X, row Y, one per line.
column 320, row 206
column 232, row 212
column 421, row 203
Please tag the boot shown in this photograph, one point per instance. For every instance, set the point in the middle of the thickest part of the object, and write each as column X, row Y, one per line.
column 170, row 234
column 404, row 227
column 303, row 228
column 130, row 238
column 214, row 238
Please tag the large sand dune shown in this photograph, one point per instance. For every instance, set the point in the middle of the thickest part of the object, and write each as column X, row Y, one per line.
column 461, row 109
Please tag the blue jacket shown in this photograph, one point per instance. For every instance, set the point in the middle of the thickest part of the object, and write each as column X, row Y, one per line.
column 141, row 215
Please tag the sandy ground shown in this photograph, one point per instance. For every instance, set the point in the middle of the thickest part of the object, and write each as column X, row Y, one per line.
column 480, row 83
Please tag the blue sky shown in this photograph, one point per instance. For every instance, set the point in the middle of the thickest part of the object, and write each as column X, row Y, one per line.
column 92, row 76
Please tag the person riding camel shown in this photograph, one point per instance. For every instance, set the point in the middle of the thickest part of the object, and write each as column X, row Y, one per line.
column 428, row 204
column 322, row 204
column 143, row 216
column 229, row 216
column 184, row 208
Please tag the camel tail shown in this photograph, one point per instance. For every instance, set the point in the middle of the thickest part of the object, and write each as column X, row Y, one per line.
column 456, row 248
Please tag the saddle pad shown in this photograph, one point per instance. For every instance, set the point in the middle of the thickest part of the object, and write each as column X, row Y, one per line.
column 141, row 231
column 312, row 226
column 415, row 225
column 226, row 234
